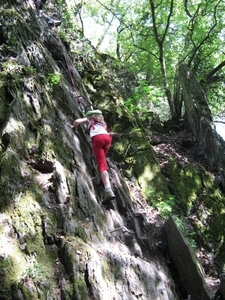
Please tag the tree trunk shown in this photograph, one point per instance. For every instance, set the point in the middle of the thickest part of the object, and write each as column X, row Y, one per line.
column 200, row 120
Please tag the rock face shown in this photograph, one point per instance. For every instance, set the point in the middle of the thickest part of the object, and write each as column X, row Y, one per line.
column 57, row 240
column 199, row 115
column 186, row 263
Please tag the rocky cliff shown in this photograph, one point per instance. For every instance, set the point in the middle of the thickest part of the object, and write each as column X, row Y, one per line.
column 57, row 240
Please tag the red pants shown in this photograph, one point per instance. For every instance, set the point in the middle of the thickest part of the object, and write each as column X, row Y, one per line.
column 101, row 144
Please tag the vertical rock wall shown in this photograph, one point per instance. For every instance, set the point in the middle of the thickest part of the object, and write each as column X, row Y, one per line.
column 57, row 240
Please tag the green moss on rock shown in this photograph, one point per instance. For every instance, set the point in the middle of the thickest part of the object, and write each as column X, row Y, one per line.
column 184, row 182
column 10, row 176
column 139, row 162
column 12, row 268
column 80, row 289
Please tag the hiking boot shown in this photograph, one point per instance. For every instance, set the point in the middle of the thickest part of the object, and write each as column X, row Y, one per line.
column 57, row 23
column 109, row 195
column 52, row 23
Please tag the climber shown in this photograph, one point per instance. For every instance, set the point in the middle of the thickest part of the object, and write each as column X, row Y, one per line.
column 101, row 141
column 39, row 4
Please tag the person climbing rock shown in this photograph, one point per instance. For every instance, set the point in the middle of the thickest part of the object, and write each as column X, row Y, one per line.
column 39, row 4
column 101, row 143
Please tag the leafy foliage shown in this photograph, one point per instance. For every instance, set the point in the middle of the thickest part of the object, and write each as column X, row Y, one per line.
column 153, row 37
column 145, row 99
column 53, row 78
column 34, row 271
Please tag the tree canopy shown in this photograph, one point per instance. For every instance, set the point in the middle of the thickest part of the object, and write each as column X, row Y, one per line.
column 153, row 38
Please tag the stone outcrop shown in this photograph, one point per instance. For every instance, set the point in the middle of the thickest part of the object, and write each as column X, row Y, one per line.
column 57, row 240
column 200, row 119
column 190, row 272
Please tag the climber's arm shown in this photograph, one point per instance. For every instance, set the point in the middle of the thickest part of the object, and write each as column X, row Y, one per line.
column 77, row 122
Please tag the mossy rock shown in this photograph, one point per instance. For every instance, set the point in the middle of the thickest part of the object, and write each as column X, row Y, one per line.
column 10, row 176
column 12, row 268
column 184, row 182
column 139, row 161
column 73, row 256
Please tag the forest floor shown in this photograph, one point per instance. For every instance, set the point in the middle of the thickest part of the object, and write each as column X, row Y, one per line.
column 183, row 146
